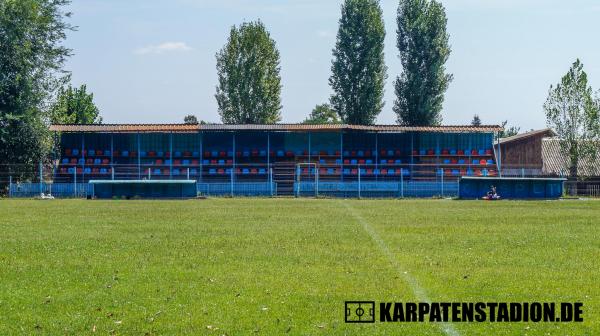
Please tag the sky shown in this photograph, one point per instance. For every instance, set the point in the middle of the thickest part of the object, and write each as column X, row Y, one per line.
column 153, row 61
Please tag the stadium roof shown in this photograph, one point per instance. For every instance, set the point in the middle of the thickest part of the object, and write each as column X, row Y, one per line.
column 546, row 132
column 187, row 128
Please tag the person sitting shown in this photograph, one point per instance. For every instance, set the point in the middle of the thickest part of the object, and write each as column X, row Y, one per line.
column 492, row 194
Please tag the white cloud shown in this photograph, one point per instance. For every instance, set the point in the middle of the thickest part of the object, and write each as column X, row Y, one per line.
column 163, row 48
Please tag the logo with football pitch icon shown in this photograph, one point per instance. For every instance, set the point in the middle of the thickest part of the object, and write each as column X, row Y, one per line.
column 360, row 312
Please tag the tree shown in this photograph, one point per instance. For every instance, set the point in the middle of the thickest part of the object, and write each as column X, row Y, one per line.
column 322, row 114
column 248, row 67
column 75, row 106
column 358, row 67
column 573, row 113
column 476, row 120
column 32, row 56
column 191, row 120
column 424, row 50
column 508, row 131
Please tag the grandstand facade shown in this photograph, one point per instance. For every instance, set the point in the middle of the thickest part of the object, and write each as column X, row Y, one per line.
column 283, row 156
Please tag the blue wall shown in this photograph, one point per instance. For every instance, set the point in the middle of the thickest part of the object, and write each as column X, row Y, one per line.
column 512, row 188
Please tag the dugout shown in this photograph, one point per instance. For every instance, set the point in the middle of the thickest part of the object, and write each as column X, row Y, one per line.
column 511, row 187
column 130, row 189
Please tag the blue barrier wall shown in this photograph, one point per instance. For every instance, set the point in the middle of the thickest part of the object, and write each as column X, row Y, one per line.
column 247, row 189
column 143, row 189
column 512, row 188
column 378, row 189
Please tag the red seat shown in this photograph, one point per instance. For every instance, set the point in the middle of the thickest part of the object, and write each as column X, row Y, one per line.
column 95, row 170
column 369, row 171
column 73, row 161
column 79, row 170
column 84, row 152
column 206, row 154
column 238, row 154
column 89, row 161
column 289, row 154
column 254, row 171
column 474, row 152
column 454, row 161
column 354, row 171
column 460, row 152
column 353, row 153
column 367, row 153
column 361, row 161
column 159, row 162
column 338, row 153
column 430, row 152
column 152, row 154
column 68, row 152
column 229, row 162
column 445, row 152
column 415, row 152
column 213, row 162
column 488, row 152
column 345, row 161
column 187, row 154
column 255, row 152
column 222, row 154
column 116, row 153
column 133, row 154
column 105, row 161
column 221, row 171
column 398, row 152
column 483, row 162
column 384, row 172
column 383, row 152
column 177, row 162
column 195, row 162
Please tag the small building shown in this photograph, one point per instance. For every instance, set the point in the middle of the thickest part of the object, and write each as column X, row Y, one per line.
column 522, row 154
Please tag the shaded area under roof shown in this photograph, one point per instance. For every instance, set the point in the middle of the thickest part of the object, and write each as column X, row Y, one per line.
column 186, row 128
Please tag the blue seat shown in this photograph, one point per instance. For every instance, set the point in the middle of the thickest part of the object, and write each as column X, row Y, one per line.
column 186, row 162
column 315, row 153
column 455, row 172
column 467, row 151
column 246, row 171
column 246, row 153
column 280, row 153
column 369, row 161
column 87, row 170
column 177, row 154
column 176, row 172
column 196, row 154
column 360, row 153
column 299, row 152
column 160, row 154
column 362, row 171
column 330, row 152
column 75, row 152
column 390, row 153
column 322, row 161
column 103, row 171
column 391, row 172
column 262, row 171
column 193, row 172
column 212, row 171
column 157, row 172
column 205, row 162
column 398, row 161
column 65, row 161
column 230, row 154
column 490, row 162
column 461, row 161
column 81, row 161
column 214, row 154
column 470, row 172
column 91, row 152
column 383, row 161
column 97, row 161
column 228, row 171
column 330, row 171
column 346, row 171
column 422, row 152
column 143, row 154
column 446, row 161
column 453, row 152
column 125, row 153
column 106, row 153
column 168, row 161
column 346, row 153
column 475, row 162
column 438, row 152
column 338, row 161
column 376, row 171
column 263, row 152
column 221, row 162
column 354, row 161
column 482, row 152
column 484, row 172
column 71, row 170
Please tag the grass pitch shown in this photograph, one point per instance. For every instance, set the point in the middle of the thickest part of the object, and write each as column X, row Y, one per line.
column 286, row 266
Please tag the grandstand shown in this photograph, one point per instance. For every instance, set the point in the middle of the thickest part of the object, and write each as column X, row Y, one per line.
column 286, row 158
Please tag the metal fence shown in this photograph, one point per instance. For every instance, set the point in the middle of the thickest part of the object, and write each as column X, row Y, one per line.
column 265, row 180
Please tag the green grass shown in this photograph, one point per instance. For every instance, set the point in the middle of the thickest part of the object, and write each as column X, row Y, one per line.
column 286, row 266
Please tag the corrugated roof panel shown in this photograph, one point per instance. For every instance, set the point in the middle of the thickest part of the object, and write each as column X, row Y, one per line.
column 150, row 128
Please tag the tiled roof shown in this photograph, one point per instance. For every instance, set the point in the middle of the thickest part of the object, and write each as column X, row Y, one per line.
column 555, row 162
column 185, row 128
column 548, row 132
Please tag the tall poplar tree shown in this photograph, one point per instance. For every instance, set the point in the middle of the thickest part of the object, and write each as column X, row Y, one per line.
column 358, row 67
column 424, row 48
column 248, row 67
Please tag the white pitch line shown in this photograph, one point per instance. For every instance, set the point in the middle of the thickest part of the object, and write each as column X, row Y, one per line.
column 418, row 291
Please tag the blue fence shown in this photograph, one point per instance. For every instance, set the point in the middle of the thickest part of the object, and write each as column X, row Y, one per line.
column 247, row 189
column 62, row 190
column 377, row 189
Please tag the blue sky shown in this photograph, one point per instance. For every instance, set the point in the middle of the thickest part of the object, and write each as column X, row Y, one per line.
column 154, row 60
